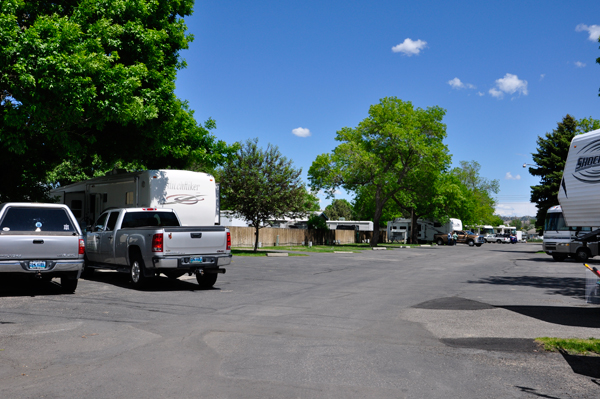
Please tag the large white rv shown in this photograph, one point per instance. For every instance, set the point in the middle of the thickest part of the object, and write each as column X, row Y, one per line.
column 400, row 229
column 193, row 195
column 559, row 238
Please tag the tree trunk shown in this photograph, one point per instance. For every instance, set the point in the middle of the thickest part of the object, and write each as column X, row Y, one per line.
column 256, row 240
column 415, row 227
column 378, row 211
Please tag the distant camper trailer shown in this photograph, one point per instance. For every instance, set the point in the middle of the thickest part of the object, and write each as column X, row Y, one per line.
column 400, row 229
column 193, row 195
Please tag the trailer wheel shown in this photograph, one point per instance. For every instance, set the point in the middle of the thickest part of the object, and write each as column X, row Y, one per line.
column 136, row 271
column 582, row 255
column 440, row 241
column 559, row 257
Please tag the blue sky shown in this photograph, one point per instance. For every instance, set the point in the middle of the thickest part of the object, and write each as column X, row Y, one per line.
column 292, row 73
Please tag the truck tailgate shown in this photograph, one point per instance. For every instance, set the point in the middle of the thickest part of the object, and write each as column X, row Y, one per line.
column 189, row 241
column 43, row 246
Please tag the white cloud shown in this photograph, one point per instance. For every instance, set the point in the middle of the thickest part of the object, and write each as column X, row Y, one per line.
column 509, row 176
column 579, row 64
column 516, row 209
column 480, row 94
column 410, row 47
column 301, row 132
column 457, row 84
column 594, row 31
column 542, row 76
column 509, row 84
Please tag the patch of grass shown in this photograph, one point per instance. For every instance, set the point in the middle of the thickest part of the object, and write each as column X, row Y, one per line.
column 573, row 346
column 250, row 252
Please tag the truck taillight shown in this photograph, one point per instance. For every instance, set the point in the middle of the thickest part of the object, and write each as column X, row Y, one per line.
column 228, row 241
column 157, row 242
column 81, row 246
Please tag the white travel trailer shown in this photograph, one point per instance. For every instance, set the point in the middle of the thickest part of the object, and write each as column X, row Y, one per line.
column 399, row 229
column 360, row 225
column 193, row 195
column 579, row 191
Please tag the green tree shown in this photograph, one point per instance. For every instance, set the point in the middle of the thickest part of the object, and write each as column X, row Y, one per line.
column 316, row 222
column 516, row 223
column 339, row 208
column 550, row 158
column 87, row 84
column 480, row 191
column 385, row 152
column 261, row 185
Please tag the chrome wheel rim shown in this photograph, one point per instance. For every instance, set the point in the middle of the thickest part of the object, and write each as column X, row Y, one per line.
column 135, row 271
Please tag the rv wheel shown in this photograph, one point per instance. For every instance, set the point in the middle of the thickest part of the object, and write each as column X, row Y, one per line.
column 582, row 255
column 440, row 241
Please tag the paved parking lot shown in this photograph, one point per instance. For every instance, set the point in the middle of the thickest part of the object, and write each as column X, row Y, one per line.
column 422, row 322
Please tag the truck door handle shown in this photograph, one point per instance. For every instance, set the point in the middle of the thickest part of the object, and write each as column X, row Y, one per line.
column 110, row 238
column 38, row 241
column 196, row 235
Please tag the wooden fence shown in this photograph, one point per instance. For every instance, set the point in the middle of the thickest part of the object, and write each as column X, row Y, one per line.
column 270, row 236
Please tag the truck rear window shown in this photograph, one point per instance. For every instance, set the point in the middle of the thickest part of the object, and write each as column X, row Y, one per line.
column 149, row 219
column 36, row 220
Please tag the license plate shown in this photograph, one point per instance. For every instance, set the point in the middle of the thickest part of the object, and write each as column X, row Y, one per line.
column 37, row 264
column 196, row 260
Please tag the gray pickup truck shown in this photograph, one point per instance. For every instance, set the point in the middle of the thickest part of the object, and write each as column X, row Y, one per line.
column 41, row 240
column 146, row 242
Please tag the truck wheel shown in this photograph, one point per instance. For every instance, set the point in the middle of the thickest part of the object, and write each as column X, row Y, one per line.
column 559, row 257
column 471, row 243
column 87, row 271
column 440, row 241
column 582, row 255
column 206, row 280
column 68, row 285
column 136, row 272
column 498, row 241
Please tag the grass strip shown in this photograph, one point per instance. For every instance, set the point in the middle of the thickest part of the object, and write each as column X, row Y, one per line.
column 573, row 346
column 250, row 252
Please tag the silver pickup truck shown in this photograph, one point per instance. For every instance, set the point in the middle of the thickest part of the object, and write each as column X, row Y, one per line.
column 42, row 240
column 146, row 242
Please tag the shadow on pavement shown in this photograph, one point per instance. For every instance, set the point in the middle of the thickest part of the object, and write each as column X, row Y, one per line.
column 156, row 284
column 567, row 286
column 566, row 316
column 535, row 392
column 584, row 365
column 28, row 286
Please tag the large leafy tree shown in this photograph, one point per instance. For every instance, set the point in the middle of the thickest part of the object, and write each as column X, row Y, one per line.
column 385, row 153
column 90, row 83
column 339, row 208
column 550, row 158
column 480, row 191
column 262, row 185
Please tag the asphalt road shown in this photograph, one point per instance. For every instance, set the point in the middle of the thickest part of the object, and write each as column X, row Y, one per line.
column 430, row 322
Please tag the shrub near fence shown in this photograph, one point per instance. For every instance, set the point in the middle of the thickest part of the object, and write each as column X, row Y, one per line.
column 244, row 236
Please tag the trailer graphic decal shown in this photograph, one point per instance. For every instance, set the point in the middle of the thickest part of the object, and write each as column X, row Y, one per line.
column 183, row 199
column 587, row 169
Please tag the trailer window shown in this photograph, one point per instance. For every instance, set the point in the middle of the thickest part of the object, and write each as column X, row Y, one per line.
column 36, row 220
column 149, row 219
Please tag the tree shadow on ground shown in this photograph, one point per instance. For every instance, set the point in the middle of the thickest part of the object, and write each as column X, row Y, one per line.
column 562, row 315
column 566, row 286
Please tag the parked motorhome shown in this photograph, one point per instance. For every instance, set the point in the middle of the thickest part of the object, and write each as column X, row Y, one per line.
column 559, row 239
column 193, row 195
